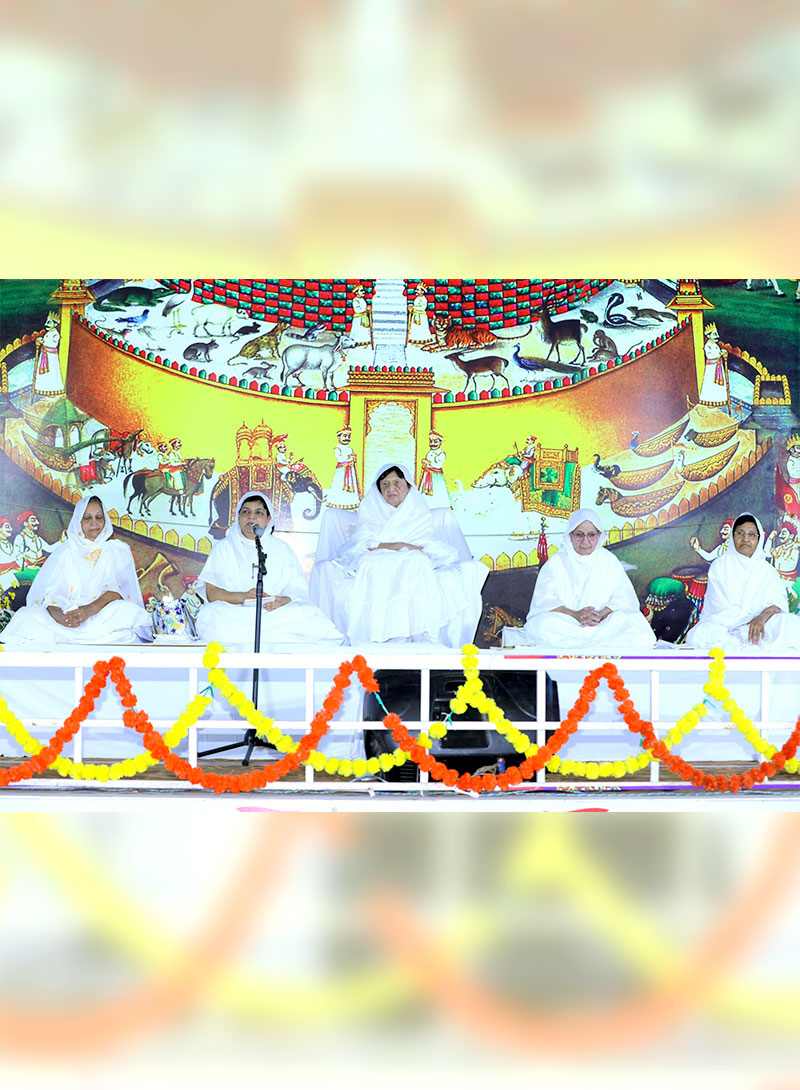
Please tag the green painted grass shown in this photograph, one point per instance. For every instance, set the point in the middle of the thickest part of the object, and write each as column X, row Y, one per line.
column 24, row 305
column 766, row 324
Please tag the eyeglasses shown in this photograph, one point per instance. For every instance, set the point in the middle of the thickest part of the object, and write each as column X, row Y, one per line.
column 578, row 535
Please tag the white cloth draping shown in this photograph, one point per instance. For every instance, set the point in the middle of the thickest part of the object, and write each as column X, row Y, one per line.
column 739, row 588
column 375, row 595
column 232, row 565
column 575, row 581
column 76, row 573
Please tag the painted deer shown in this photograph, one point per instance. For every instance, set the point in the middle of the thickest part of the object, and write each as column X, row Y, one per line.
column 558, row 333
column 494, row 365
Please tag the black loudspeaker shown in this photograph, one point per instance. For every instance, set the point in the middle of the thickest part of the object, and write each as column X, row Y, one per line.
column 465, row 750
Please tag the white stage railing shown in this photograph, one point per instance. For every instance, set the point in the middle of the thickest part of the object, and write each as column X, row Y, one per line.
column 179, row 674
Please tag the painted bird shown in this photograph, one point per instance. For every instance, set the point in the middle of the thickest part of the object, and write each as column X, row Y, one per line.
column 134, row 320
column 525, row 363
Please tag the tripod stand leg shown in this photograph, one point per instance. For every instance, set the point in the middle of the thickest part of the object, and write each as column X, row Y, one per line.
column 251, row 740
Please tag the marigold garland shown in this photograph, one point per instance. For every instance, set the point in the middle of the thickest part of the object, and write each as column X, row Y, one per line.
column 717, row 691
column 266, row 730
column 81, row 770
column 535, row 760
column 52, row 750
column 249, row 781
column 471, row 692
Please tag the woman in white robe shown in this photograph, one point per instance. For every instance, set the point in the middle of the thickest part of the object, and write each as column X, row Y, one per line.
column 745, row 605
column 288, row 619
column 583, row 601
column 395, row 578
column 86, row 591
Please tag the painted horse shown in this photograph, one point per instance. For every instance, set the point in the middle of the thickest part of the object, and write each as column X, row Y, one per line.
column 146, row 484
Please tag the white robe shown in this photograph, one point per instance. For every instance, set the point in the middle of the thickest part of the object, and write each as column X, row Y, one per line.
column 713, row 390
column 343, row 491
column 419, row 331
column 432, row 483
column 76, row 573
column 574, row 581
column 376, row 595
column 48, row 381
column 232, row 566
column 360, row 330
column 739, row 588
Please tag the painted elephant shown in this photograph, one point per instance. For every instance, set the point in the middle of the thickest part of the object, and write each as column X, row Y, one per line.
column 261, row 477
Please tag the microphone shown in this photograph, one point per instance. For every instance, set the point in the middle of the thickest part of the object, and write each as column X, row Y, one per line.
column 262, row 556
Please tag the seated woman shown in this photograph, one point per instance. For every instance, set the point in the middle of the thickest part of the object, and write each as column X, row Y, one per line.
column 230, row 581
column 583, row 601
column 395, row 578
column 86, row 591
column 745, row 604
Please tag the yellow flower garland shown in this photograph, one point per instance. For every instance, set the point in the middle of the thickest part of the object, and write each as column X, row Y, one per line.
column 471, row 693
column 131, row 766
column 265, row 729
column 715, row 687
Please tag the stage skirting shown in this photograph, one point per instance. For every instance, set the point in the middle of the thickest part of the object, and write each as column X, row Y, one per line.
column 42, row 689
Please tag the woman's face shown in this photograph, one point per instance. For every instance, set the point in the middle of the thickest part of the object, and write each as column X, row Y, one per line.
column 584, row 538
column 394, row 489
column 253, row 513
column 745, row 538
column 93, row 520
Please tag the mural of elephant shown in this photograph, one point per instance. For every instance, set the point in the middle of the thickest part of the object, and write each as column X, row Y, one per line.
column 261, row 477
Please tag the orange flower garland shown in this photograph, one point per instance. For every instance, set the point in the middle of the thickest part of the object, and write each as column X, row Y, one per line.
column 525, row 771
column 249, row 781
column 72, row 725
column 683, row 769
column 512, row 776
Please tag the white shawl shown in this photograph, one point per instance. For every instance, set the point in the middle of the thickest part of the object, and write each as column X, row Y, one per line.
column 79, row 570
column 739, row 587
column 411, row 521
column 571, row 580
column 232, row 563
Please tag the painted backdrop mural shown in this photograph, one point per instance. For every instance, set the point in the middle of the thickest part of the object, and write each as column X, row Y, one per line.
column 664, row 405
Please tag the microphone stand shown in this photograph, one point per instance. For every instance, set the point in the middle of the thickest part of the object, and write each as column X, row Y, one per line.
column 251, row 740
column 262, row 571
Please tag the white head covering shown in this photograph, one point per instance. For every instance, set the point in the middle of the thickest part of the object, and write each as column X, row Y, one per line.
column 758, row 553
column 572, row 580
column 574, row 521
column 740, row 586
column 231, row 564
column 378, row 521
column 79, row 570
column 75, row 535
column 242, row 545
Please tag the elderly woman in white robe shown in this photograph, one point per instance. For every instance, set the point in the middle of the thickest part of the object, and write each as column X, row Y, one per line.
column 745, row 605
column 396, row 578
column 583, row 601
column 288, row 620
column 87, row 590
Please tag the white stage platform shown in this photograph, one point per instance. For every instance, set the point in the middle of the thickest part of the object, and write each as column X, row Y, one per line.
column 41, row 688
